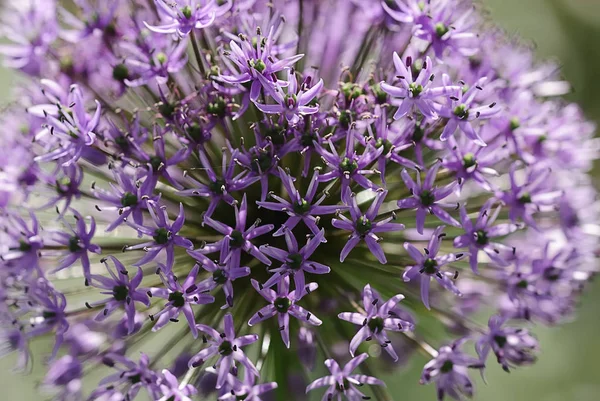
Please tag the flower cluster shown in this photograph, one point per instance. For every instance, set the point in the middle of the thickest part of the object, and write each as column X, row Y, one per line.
column 270, row 169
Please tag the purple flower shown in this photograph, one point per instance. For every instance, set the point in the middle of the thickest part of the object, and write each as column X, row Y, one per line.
column 364, row 227
column 349, row 166
column 130, row 377
column 66, row 373
column 429, row 264
column 477, row 236
column 528, row 198
column 238, row 238
column 247, row 389
column 343, row 382
column 295, row 102
column 173, row 391
column 128, row 196
column 180, row 298
column 283, row 304
column 512, row 346
column 219, row 189
column 227, row 346
column 164, row 235
column 183, row 16
column 460, row 112
column 417, row 92
column 77, row 242
column 426, row 198
column 300, row 208
column 295, row 261
column 71, row 127
column 254, row 57
column 377, row 317
column 222, row 273
column 449, row 371
column 23, row 253
column 123, row 292
column 154, row 66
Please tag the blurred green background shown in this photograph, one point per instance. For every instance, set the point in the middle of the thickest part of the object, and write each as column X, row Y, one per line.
column 567, row 31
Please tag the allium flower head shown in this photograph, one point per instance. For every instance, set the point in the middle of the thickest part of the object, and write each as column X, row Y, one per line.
column 185, row 182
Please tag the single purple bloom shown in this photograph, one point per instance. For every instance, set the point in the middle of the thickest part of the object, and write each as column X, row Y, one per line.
column 70, row 126
column 219, row 188
column 449, row 371
column 300, row 208
column 477, row 236
column 247, row 389
column 65, row 373
column 295, row 261
column 127, row 196
column 238, row 238
column 460, row 112
column 364, row 227
column 227, row 346
column 524, row 200
column 222, row 273
column 130, row 377
column 295, row 102
column 173, row 391
column 158, row 164
column 254, row 57
column 49, row 307
column 512, row 346
column 27, row 241
column 343, row 382
column 378, row 317
column 164, row 235
column 349, row 166
column 77, row 242
column 429, row 264
column 426, row 198
column 416, row 92
column 180, row 298
column 283, row 304
column 154, row 66
column 183, row 16
column 123, row 291
column 67, row 181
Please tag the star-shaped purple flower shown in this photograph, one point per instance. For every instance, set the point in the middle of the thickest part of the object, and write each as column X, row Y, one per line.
column 429, row 264
column 364, row 227
column 283, row 304
column 378, row 317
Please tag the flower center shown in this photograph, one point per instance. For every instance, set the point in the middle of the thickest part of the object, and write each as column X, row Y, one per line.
column 226, row 348
column 129, row 199
column 552, row 274
column 217, row 187
column 135, row 378
column 363, row 225
column 461, row 111
column 481, row 237
column 74, row 244
column 302, row 206
column 219, row 276
column 120, row 72
column 344, row 386
column 120, row 292
column 447, row 367
column 155, row 162
column 161, row 236
column 387, row 145
column 187, row 12
column 282, row 304
column 441, row 29
column 430, row 266
column 294, row 261
column 348, row 165
column 218, row 107
column 427, row 198
column 177, row 299
column 525, row 198
column 376, row 324
column 469, row 160
column 500, row 340
column 415, row 89
column 258, row 65
column 514, row 123
column 24, row 246
column 236, row 239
